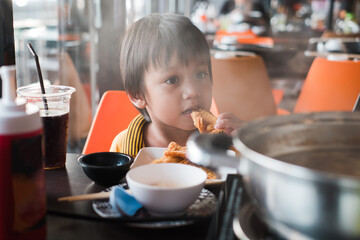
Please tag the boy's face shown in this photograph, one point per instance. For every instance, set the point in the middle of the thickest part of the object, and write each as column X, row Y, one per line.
column 172, row 93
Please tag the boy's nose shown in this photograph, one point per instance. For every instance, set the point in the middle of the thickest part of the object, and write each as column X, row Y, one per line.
column 191, row 91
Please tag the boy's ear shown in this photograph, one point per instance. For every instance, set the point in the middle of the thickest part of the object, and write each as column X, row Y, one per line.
column 138, row 102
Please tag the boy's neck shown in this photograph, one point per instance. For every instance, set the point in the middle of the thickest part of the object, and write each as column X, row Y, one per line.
column 155, row 137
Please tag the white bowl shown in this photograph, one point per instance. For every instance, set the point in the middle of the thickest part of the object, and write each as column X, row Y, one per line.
column 166, row 188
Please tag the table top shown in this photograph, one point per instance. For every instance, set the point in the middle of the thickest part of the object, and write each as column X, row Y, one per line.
column 77, row 220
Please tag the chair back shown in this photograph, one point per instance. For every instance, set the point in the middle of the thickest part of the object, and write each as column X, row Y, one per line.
column 329, row 86
column 114, row 113
column 241, row 86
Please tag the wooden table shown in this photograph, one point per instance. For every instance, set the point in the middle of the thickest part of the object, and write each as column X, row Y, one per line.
column 77, row 220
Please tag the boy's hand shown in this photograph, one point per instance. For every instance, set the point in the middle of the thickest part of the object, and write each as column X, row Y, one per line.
column 228, row 123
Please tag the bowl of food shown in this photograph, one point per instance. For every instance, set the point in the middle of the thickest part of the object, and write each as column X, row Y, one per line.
column 166, row 188
column 174, row 153
column 105, row 168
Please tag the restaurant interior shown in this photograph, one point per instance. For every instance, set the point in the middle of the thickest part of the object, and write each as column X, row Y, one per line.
column 76, row 34
column 269, row 58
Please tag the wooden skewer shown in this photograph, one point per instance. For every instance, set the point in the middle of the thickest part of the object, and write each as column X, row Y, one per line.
column 90, row 196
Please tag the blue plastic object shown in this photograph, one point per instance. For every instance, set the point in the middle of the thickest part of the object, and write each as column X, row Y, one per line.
column 124, row 202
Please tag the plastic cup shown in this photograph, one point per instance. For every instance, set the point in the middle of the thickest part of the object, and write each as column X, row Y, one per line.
column 55, row 120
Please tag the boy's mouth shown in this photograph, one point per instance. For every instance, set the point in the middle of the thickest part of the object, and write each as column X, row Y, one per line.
column 190, row 110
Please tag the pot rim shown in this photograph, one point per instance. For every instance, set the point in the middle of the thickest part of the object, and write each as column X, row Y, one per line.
column 286, row 168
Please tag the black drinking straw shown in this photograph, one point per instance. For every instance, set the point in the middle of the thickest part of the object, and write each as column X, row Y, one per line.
column 39, row 73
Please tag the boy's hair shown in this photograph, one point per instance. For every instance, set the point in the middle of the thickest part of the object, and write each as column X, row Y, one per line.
column 153, row 40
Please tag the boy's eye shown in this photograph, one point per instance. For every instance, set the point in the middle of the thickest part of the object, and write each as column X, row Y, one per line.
column 201, row 75
column 172, row 80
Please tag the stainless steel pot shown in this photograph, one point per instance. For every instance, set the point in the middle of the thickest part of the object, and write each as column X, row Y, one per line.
column 302, row 171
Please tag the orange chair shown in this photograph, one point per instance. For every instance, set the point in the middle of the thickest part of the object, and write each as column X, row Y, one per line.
column 114, row 113
column 214, row 109
column 329, row 86
column 278, row 95
column 242, row 86
column 247, row 37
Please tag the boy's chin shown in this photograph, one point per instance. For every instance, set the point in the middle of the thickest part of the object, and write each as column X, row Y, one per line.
column 189, row 128
column 186, row 125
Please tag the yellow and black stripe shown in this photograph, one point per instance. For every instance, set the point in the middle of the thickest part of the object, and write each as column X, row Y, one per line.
column 134, row 139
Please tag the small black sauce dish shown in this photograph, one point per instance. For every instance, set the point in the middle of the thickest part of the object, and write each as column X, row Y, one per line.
column 105, row 168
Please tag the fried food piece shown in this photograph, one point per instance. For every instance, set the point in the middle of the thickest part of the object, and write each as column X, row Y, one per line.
column 177, row 154
column 210, row 173
column 205, row 121
column 175, row 150
column 167, row 159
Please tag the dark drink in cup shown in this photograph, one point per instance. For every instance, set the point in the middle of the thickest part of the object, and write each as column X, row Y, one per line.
column 55, row 123
column 54, row 107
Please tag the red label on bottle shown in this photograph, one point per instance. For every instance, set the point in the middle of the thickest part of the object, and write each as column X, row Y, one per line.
column 6, row 190
column 23, row 157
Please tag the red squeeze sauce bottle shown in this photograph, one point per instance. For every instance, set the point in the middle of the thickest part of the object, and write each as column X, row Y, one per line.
column 22, row 180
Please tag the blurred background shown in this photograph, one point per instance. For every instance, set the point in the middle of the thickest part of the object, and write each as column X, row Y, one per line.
column 78, row 40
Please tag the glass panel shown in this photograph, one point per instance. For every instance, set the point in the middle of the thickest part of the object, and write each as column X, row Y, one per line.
column 59, row 33
column 77, row 42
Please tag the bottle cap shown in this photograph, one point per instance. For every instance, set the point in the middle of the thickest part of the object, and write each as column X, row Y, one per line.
column 14, row 114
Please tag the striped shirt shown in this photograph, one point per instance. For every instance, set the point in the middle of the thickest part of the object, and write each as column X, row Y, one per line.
column 131, row 140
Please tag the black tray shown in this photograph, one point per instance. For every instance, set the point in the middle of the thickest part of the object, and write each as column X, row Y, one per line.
column 201, row 209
